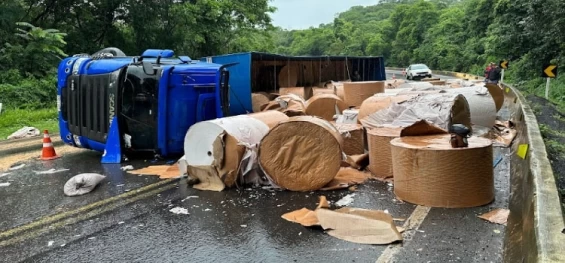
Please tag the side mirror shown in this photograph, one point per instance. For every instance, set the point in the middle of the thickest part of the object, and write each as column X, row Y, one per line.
column 148, row 68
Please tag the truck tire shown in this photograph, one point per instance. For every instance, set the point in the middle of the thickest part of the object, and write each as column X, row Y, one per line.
column 116, row 52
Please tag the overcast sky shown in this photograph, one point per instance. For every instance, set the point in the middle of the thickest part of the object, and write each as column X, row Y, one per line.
column 300, row 14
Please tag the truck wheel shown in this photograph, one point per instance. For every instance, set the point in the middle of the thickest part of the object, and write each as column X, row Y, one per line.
column 116, row 52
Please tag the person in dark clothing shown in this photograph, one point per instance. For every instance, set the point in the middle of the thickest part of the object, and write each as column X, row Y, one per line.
column 494, row 75
column 356, row 76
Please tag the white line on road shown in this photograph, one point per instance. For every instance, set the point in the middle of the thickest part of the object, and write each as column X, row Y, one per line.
column 411, row 225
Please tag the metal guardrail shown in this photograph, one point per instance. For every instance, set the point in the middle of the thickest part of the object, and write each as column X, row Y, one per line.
column 535, row 228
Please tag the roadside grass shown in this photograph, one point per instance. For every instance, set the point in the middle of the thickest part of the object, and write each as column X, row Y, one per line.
column 42, row 119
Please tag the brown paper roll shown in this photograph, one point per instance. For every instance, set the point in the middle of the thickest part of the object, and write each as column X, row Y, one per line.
column 352, row 135
column 356, row 92
column 393, row 84
column 259, row 100
column 428, row 172
column 323, row 106
column 301, row 154
column 303, row 92
column 271, row 117
column 318, row 91
column 377, row 103
column 288, row 76
column 338, row 90
column 380, row 156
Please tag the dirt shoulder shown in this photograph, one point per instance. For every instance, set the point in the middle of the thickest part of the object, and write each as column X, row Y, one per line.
column 552, row 127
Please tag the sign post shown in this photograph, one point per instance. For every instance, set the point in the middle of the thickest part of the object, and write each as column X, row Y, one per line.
column 503, row 65
column 549, row 71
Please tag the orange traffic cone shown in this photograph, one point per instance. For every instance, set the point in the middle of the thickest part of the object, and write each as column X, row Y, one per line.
column 48, row 152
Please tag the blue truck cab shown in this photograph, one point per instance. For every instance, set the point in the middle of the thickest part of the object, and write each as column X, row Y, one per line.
column 116, row 104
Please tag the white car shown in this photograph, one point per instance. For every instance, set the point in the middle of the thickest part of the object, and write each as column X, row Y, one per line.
column 418, row 71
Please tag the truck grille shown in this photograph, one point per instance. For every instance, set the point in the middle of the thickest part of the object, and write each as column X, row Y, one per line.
column 85, row 106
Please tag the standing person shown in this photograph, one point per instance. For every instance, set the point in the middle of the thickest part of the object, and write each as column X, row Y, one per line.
column 487, row 71
column 494, row 75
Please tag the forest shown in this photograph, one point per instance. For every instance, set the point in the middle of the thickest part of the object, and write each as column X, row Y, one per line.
column 457, row 35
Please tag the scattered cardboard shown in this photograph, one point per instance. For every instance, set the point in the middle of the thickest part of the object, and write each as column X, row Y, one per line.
column 497, row 216
column 355, row 225
column 503, row 133
column 304, row 216
column 163, row 171
column 359, row 226
column 345, row 178
column 359, row 161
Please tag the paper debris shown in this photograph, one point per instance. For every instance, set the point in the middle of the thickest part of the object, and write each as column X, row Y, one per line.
column 496, row 231
column 503, row 133
column 51, row 171
column 358, row 162
column 50, row 243
column 17, row 167
column 243, row 225
column 497, row 216
column 359, row 225
column 346, row 200
column 163, row 171
column 127, row 167
column 4, row 184
column 345, row 178
column 304, row 216
column 4, row 174
column 179, row 211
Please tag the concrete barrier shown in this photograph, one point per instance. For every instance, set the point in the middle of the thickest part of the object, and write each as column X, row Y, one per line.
column 535, row 230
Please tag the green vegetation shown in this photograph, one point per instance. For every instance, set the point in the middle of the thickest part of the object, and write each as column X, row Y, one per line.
column 41, row 119
column 454, row 35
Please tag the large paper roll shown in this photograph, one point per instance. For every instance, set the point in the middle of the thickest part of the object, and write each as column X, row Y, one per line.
column 481, row 105
column 259, row 101
column 301, row 154
column 428, row 172
column 353, row 139
column 288, row 76
column 215, row 149
column 272, row 117
column 380, row 102
column 356, row 92
column 380, row 156
column 324, row 106
column 442, row 110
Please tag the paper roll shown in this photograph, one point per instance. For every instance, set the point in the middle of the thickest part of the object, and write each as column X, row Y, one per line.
column 304, row 92
column 324, row 106
column 428, row 172
column 318, row 91
column 272, row 117
column 259, row 100
column 482, row 106
column 356, row 92
column 215, row 149
column 288, row 76
column 380, row 102
column 442, row 110
column 415, row 85
column 353, row 139
column 301, row 154
column 380, row 156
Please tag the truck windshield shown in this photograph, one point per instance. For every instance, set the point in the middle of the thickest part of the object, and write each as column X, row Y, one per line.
column 139, row 107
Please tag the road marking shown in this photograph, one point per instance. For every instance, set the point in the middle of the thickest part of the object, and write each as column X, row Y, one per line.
column 411, row 225
column 53, row 218
column 82, row 217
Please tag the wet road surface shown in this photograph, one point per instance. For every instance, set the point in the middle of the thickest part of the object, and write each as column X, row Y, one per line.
column 232, row 226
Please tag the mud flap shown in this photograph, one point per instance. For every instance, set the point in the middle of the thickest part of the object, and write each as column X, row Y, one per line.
column 113, row 151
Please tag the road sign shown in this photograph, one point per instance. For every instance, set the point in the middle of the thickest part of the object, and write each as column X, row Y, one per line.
column 549, row 71
column 503, row 64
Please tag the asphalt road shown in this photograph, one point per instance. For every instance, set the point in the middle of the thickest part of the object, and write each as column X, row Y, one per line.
column 128, row 219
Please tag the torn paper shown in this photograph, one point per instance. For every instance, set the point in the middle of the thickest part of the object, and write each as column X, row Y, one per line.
column 497, row 216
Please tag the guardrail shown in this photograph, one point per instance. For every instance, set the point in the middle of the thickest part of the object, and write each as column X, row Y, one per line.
column 535, row 229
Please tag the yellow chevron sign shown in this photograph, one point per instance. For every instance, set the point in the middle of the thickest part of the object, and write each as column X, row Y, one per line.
column 504, row 64
column 550, row 71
